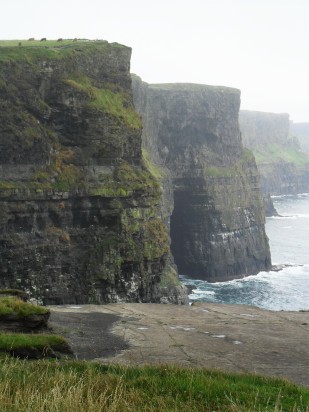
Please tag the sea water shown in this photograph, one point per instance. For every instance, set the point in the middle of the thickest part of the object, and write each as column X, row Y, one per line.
column 287, row 289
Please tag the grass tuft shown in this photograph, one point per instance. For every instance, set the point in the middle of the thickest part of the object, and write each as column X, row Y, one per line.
column 13, row 305
column 115, row 103
column 14, row 341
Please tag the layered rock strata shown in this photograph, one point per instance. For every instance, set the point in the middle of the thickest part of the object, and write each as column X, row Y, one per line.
column 212, row 197
column 79, row 216
column 283, row 166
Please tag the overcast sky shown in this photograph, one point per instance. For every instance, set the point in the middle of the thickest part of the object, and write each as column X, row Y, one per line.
column 258, row 46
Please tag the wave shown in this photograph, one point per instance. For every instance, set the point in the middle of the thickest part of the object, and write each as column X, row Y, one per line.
column 204, row 292
column 283, row 217
column 291, row 216
column 305, row 194
column 287, row 289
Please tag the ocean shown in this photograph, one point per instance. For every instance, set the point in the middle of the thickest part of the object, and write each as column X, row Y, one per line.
column 287, row 289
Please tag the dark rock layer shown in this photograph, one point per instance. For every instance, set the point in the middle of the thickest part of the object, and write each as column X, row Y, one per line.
column 212, row 197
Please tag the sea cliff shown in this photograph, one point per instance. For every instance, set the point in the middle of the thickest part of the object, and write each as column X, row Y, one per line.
column 301, row 132
column 282, row 163
column 212, row 201
column 89, row 204
column 79, row 207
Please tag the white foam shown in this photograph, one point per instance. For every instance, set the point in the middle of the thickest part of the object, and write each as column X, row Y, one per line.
column 206, row 292
column 285, row 217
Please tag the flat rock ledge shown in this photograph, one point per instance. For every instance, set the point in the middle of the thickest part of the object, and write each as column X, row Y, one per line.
column 233, row 338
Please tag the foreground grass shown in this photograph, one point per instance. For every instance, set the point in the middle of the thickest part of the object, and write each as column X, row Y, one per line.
column 10, row 305
column 81, row 386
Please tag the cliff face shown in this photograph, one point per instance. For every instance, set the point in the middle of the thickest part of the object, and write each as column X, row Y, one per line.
column 78, row 205
column 283, row 166
column 301, row 132
column 191, row 133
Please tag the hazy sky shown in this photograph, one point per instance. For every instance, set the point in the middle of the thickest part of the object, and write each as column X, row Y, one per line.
column 258, row 46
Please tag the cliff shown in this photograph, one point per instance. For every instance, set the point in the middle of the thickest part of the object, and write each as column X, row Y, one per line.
column 283, row 166
column 212, row 200
column 79, row 208
column 301, row 132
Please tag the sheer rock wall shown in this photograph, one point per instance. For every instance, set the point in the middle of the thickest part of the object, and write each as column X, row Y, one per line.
column 79, row 209
column 212, row 197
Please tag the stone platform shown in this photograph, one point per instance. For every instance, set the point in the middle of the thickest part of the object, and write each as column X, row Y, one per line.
column 233, row 338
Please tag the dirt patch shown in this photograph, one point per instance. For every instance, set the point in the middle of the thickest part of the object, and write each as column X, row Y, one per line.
column 88, row 334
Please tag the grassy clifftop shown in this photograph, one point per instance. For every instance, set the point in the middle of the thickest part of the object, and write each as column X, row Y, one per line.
column 49, row 49
column 274, row 153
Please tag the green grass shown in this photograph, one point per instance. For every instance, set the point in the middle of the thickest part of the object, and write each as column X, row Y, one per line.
column 108, row 101
column 234, row 169
column 169, row 278
column 13, row 305
column 274, row 153
column 81, row 386
column 38, row 43
column 7, row 185
column 51, row 49
column 125, row 180
column 156, row 171
column 14, row 341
